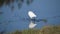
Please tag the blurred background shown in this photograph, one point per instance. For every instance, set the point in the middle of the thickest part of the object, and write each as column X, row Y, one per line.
column 13, row 13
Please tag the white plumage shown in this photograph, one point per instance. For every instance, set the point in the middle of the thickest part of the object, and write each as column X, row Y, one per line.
column 31, row 14
column 32, row 25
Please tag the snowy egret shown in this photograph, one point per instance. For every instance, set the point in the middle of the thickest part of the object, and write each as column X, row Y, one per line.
column 33, row 16
column 32, row 25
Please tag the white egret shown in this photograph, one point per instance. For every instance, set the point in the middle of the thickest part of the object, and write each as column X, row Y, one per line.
column 32, row 25
column 31, row 14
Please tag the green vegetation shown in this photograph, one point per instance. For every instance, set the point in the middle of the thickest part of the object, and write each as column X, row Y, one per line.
column 44, row 30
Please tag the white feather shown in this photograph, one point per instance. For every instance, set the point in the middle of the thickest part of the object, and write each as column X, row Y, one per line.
column 31, row 14
column 32, row 25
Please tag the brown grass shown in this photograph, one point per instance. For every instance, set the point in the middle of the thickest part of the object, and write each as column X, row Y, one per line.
column 44, row 30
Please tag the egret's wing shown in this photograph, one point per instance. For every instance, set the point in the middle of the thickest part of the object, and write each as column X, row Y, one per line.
column 31, row 14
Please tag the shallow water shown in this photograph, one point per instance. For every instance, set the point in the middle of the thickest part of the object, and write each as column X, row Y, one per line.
column 42, row 8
